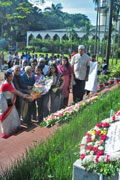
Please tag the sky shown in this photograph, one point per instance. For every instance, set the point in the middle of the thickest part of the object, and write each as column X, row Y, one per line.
column 86, row 7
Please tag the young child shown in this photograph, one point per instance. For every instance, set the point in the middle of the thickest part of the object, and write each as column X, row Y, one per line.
column 39, row 74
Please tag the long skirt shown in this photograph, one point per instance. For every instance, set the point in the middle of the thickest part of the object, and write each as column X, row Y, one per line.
column 9, row 118
column 56, row 101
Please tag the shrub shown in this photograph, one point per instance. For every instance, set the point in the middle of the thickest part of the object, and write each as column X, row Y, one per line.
column 44, row 49
column 37, row 49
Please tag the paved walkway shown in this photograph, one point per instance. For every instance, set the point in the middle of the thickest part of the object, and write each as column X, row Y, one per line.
column 15, row 146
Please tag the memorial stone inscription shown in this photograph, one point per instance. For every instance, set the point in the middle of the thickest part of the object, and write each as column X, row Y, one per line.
column 112, row 144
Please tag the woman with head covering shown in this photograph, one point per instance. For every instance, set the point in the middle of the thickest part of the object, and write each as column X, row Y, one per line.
column 8, row 114
column 56, row 93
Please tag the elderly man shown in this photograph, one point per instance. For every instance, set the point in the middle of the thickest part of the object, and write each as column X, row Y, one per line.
column 17, row 79
column 45, row 67
column 28, row 79
column 81, row 66
column 19, row 86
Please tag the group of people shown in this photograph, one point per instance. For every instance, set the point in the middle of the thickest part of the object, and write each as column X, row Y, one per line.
column 23, row 72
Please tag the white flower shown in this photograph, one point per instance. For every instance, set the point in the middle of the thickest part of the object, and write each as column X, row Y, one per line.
column 83, row 151
column 101, row 158
column 95, row 159
column 93, row 137
column 97, row 143
column 105, row 129
column 84, row 140
column 89, row 144
column 101, row 148
column 106, row 120
column 96, row 128
column 92, row 152
column 88, row 159
column 87, row 151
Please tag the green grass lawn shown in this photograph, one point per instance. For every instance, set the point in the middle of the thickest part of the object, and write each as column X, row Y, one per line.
column 54, row 159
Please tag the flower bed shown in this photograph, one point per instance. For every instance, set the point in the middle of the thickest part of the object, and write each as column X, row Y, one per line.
column 65, row 114
column 92, row 147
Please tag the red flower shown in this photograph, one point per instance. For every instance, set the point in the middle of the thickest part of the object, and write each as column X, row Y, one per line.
column 99, row 125
column 103, row 137
column 82, row 144
column 97, row 159
column 95, row 149
column 113, row 118
column 99, row 153
column 107, row 159
column 88, row 139
column 89, row 147
column 88, row 134
column 98, row 132
column 82, row 156
column 105, row 125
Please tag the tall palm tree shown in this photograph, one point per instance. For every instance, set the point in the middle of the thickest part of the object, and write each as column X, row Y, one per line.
column 55, row 8
column 116, row 11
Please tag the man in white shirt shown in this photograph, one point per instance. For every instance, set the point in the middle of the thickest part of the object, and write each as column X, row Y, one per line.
column 81, row 66
column 45, row 67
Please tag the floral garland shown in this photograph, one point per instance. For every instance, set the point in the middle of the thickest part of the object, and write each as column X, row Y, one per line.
column 93, row 144
column 65, row 114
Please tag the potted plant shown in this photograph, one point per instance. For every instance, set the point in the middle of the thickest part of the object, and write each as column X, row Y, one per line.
column 100, row 81
column 115, row 73
column 106, row 78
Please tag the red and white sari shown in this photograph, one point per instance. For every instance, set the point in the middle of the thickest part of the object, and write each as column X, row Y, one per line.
column 9, row 117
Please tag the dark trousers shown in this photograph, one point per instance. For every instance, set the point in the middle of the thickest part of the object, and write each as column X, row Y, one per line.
column 31, row 112
column 43, row 110
column 40, row 108
column 66, row 101
column 78, row 90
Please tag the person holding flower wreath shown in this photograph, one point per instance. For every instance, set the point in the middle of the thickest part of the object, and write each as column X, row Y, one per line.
column 9, row 117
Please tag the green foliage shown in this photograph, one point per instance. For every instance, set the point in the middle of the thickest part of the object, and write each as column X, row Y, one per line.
column 115, row 71
column 101, row 79
column 55, row 46
column 54, row 158
column 44, row 49
column 3, row 44
column 18, row 16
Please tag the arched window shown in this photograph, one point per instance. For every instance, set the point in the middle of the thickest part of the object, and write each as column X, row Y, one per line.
column 31, row 37
column 65, row 37
column 56, row 37
column 39, row 36
column 47, row 37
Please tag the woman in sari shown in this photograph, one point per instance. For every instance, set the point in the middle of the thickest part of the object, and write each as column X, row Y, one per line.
column 56, row 92
column 9, row 117
column 66, row 70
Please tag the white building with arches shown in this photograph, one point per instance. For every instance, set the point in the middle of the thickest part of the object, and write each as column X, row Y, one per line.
column 61, row 34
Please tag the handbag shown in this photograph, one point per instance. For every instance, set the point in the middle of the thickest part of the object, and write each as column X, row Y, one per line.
column 9, row 102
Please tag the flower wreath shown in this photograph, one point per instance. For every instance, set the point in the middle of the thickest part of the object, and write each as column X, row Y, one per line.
column 65, row 114
column 93, row 144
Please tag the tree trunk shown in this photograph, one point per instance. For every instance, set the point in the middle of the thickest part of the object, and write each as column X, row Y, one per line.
column 95, row 46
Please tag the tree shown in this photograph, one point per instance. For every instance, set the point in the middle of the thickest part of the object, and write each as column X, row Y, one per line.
column 55, row 8
column 96, row 2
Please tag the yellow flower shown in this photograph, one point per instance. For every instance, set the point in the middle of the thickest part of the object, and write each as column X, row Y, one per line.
column 103, row 132
column 93, row 132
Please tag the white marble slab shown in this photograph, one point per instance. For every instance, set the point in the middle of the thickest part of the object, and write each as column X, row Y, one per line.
column 79, row 173
column 112, row 144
